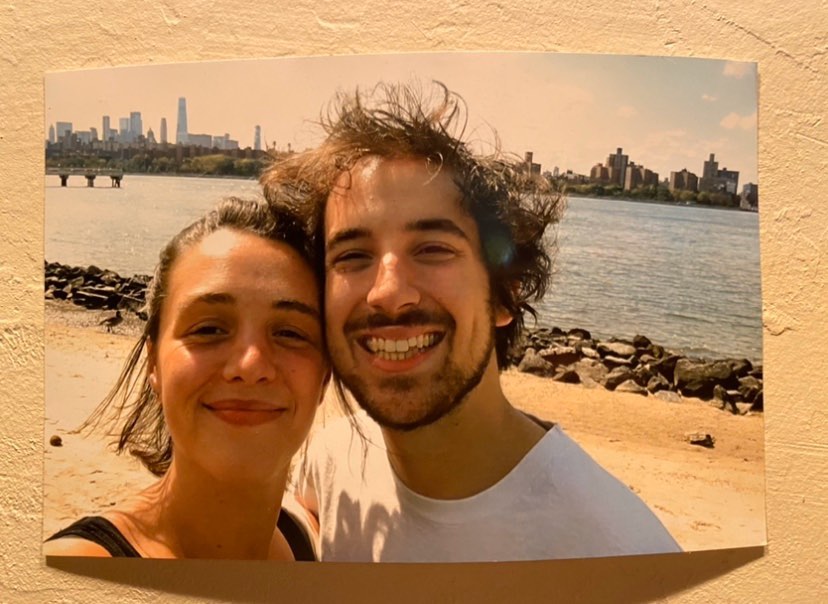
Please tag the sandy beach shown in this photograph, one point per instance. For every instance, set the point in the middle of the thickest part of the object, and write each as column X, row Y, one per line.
column 707, row 498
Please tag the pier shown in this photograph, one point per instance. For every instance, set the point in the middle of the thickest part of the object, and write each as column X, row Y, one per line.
column 89, row 173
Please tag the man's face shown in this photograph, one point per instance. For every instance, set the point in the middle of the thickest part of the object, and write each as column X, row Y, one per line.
column 410, row 323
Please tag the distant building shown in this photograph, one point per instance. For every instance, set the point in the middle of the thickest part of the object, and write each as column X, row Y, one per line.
column 94, row 132
column 257, row 138
column 123, row 130
column 225, row 143
column 106, row 130
column 530, row 166
column 556, row 172
column 639, row 176
column 719, row 181
column 62, row 130
column 750, row 197
column 617, row 166
column 200, row 140
column 683, row 181
column 151, row 137
column 599, row 174
column 163, row 131
column 136, row 126
column 52, row 139
column 181, row 135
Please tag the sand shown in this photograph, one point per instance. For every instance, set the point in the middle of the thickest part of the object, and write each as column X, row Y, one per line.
column 707, row 498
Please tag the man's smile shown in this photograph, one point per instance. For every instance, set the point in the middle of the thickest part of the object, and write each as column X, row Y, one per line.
column 399, row 349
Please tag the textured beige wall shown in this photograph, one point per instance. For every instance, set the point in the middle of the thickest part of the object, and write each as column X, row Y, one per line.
column 789, row 41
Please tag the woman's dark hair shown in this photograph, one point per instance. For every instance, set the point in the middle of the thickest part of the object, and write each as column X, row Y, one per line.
column 131, row 404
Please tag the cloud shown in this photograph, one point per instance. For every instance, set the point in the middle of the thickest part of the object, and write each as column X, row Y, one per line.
column 709, row 98
column 627, row 111
column 733, row 121
column 738, row 70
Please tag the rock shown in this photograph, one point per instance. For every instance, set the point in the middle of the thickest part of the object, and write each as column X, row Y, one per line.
column 666, row 366
column 701, row 439
column 617, row 376
column 581, row 334
column 697, row 378
column 749, row 387
column 590, row 352
column 668, row 396
column 740, row 367
column 617, row 349
column 55, row 440
column 758, row 403
column 631, row 386
column 534, row 364
column 612, row 361
column 657, row 383
column 591, row 371
column 642, row 342
column 724, row 398
column 567, row 376
column 560, row 355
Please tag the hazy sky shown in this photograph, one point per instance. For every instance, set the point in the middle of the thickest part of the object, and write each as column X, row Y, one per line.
column 571, row 110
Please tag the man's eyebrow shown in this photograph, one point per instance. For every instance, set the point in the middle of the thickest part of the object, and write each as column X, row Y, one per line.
column 346, row 235
column 437, row 224
column 286, row 304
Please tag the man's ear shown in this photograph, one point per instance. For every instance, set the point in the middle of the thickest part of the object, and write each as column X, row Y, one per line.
column 502, row 316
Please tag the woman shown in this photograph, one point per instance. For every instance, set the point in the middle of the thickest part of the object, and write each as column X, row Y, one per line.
column 219, row 393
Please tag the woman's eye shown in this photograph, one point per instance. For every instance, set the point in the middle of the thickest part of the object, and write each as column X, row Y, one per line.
column 207, row 330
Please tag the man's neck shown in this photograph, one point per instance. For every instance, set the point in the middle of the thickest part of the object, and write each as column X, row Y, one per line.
column 467, row 451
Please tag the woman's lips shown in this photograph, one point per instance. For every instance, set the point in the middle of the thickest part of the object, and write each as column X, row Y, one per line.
column 245, row 413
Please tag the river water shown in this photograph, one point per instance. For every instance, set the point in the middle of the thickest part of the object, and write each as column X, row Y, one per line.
column 686, row 277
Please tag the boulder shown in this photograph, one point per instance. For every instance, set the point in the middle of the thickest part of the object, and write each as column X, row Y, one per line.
column 701, row 439
column 617, row 349
column 612, row 361
column 642, row 342
column 567, row 376
column 590, row 371
column 697, row 378
column 617, row 376
column 534, row 364
column 657, row 383
column 668, row 396
column 631, row 386
column 741, row 367
column 581, row 334
column 560, row 355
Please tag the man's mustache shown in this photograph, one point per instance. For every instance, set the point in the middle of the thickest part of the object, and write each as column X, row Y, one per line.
column 410, row 318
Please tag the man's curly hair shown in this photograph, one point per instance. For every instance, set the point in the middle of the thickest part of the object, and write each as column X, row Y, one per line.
column 512, row 207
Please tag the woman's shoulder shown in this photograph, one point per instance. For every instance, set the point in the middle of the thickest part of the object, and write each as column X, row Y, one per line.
column 75, row 546
column 90, row 536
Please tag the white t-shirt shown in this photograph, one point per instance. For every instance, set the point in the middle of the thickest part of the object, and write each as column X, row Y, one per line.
column 555, row 503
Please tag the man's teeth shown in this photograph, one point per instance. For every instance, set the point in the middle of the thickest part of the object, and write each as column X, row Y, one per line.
column 397, row 350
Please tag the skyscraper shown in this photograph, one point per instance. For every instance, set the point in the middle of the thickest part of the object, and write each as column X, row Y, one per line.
column 163, row 131
column 123, row 130
column 181, row 128
column 106, row 129
column 136, row 127
column 63, row 129
column 52, row 139
column 257, row 139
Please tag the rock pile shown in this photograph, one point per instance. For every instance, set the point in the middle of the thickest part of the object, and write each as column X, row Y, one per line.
column 641, row 367
column 95, row 288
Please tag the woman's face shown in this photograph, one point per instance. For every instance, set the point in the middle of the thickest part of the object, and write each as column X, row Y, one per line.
column 238, row 364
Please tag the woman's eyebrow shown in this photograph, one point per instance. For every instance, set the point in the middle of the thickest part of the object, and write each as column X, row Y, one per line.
column 298, row 306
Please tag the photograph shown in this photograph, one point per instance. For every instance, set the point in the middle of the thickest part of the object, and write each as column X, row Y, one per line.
column 427, row 307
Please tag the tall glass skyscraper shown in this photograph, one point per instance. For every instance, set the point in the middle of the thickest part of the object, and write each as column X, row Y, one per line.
column 181, row 129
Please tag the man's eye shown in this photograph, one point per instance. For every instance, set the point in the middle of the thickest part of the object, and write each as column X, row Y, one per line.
column 436, row 251
column 350, row 260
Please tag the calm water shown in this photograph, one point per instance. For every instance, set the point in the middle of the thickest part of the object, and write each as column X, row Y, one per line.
column 688, row 278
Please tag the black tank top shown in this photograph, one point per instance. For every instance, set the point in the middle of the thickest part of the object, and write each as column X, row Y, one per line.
column 101, row 531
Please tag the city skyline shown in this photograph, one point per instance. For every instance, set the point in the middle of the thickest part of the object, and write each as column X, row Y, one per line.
column 569, row 110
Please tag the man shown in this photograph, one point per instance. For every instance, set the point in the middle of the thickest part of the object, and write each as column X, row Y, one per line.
column 432, row 255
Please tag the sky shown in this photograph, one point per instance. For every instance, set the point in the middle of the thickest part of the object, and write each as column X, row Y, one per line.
column 570, row 110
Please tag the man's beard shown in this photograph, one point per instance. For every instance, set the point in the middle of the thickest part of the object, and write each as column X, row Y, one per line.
column 424, row 399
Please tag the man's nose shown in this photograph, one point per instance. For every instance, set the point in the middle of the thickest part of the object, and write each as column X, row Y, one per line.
column 251, row 360
column 393, row 288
